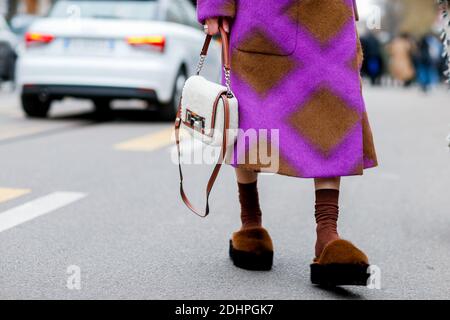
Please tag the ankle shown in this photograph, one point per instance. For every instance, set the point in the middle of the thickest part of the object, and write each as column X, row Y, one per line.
column 323, row 239
column 250, row 225
column 251, row 215
column 326, row 214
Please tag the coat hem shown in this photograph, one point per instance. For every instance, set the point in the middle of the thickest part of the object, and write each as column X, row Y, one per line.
column 292, row 175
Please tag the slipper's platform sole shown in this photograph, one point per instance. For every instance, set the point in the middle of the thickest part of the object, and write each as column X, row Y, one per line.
column 339, row 274
column 251, row 261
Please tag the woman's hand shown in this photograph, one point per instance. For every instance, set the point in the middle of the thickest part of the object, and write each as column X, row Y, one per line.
column 213, row 26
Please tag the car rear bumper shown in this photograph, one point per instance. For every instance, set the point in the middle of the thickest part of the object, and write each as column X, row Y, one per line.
column 92, row 76
column 53, row 91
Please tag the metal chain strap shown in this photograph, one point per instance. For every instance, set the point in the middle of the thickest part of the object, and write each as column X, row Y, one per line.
column 227, row 74
column 200, row 64
column 228, row 82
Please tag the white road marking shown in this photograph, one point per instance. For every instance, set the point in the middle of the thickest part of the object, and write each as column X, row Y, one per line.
column 36, row 208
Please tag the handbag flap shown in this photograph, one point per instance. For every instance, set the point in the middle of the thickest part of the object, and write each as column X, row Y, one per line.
column 199, row 101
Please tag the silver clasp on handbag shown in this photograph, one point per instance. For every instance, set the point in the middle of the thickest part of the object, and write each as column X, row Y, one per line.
column 195, row 121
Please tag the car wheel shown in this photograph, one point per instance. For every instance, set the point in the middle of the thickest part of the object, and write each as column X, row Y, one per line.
column 102, row 108
column 35, row 107
column 169, row 110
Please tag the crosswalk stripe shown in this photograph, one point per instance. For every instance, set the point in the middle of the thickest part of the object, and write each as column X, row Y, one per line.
column 149, row 142
column 9, row 193
column 36, row 208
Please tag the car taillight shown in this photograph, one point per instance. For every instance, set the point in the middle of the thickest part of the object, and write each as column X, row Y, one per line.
column 157, row 42
column 36, row 37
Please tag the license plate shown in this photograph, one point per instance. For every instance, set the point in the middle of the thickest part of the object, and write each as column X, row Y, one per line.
column 89, row 46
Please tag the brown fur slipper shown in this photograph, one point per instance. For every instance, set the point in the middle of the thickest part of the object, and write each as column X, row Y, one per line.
column 341, row 263
column 252, row 249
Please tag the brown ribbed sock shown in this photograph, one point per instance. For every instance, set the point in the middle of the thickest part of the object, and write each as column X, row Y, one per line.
column 327, row 211
column 250, row 210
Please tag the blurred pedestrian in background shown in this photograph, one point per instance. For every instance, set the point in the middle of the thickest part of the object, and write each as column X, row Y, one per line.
column 373, row 65
column 429, row 60
column 401, row 64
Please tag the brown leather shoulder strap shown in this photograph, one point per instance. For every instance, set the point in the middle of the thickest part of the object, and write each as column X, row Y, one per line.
column 225, row 47
column 355, row 9
column 217, row 166
column 205, row 47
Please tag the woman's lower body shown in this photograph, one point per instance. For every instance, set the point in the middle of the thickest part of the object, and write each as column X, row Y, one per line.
column 301, row 114
column 336, row 262
column 327, row 195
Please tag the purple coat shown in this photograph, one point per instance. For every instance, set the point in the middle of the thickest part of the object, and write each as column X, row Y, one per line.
column 295, row 72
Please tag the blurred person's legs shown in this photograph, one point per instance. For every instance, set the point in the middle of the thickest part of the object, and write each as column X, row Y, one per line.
column 374, row 69
column 408, row 83
column 434, row 75
column 425, row 76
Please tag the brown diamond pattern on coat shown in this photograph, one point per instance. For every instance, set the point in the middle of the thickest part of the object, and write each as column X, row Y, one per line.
column 228, row 8
column 258, row 153
column 291, row 10
column 261, row 71
column 333, row 14
column 357, row 61
column 263, row 160
column 256, row 41
column 359, row 52
column 357, row 169
column 368, row 146
column 353, row 63
column 324, row 120
column 286, row 169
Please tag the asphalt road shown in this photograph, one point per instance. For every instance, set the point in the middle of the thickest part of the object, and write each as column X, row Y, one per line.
column 100, row 200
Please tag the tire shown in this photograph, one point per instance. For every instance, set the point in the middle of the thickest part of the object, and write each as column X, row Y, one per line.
column 169, row 110
column 35, row 107
column 102, row 109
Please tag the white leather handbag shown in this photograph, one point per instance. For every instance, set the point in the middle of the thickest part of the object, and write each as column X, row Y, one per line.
column 209, row 112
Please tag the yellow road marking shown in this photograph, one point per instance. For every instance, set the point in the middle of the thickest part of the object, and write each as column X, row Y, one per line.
column 149, row 142
column 9, row 194
column 13, row 132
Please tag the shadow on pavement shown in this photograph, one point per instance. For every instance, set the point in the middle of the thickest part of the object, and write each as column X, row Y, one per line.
column 340, row 292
